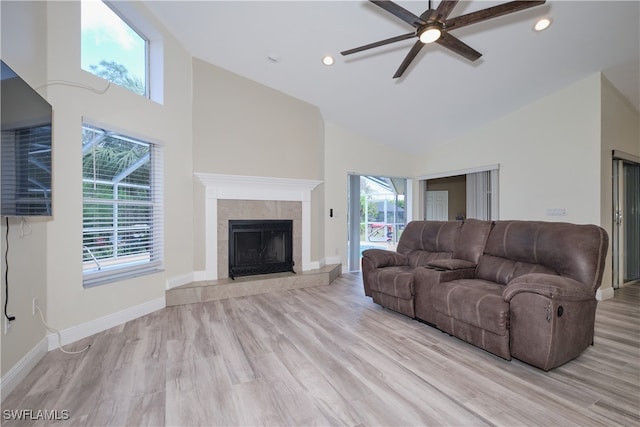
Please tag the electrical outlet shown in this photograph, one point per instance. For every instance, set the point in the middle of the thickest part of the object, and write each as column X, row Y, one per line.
column 7, row 324
column 33, row 306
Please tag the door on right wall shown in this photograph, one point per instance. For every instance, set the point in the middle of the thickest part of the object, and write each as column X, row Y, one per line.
column 626, row 221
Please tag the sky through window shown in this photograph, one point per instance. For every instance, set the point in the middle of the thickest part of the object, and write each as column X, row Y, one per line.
column 111, row 48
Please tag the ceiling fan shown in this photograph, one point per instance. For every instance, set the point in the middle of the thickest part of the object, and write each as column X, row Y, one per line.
column 434, row 25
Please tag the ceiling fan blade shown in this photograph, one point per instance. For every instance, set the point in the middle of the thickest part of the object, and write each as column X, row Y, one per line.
column 407, row 59
column 380, row 43
column 489, row 13
column 459, row 47
column 399, row 12
column 445, row 8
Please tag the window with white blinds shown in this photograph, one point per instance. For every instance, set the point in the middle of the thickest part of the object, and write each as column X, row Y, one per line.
column 26, row 171
column 122, row 228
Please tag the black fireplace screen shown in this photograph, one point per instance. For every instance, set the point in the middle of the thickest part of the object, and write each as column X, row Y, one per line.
column 260, row 247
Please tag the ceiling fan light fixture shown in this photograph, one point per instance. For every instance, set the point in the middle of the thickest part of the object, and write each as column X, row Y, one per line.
column 430, row 34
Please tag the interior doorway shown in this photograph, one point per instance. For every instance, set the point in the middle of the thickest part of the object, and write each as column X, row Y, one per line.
column 626, row 219
column 470, row 194
column 378, row 211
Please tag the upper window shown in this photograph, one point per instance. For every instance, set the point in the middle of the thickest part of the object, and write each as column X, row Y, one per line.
column 122, row 206
column 112, row 49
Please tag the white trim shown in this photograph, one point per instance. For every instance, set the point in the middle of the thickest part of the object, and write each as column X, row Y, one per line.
column 20, row 370
column 239, row 187
column 603, row 294
column 332, row 260
column 180, row 280
column 459, row 172
column 103, row 323
column 621, row 155
column 201, row 276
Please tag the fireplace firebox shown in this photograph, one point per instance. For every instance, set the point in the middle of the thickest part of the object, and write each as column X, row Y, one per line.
column 260, row 247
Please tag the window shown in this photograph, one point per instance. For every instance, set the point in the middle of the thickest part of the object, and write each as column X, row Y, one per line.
column 122, row 206
column 112, row 48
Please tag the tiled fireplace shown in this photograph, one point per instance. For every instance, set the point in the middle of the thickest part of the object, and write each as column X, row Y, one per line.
column 233, row 197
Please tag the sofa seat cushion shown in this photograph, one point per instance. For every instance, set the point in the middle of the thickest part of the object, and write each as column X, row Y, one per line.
column 395, row 281
column 475, row 302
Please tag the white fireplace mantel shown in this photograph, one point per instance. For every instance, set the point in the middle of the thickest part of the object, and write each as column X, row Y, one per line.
column 238, row 187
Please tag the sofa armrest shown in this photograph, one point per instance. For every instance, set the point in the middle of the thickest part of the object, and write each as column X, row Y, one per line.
column 548, row 285
column 450, row 264
column 551, row 318
column 379, row 258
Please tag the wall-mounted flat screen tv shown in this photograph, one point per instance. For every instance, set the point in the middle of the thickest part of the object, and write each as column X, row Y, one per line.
column 25, row 174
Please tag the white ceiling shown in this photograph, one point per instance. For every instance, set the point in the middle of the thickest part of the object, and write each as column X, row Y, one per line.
column 441, row 95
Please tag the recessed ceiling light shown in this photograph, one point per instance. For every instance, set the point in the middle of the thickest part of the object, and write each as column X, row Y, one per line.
column 542, row 24
column 328, row 60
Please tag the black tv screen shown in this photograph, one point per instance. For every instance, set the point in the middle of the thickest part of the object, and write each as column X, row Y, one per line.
column 25, row 174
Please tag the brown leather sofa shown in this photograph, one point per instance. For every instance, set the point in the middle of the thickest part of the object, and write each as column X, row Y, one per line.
column 522, row 289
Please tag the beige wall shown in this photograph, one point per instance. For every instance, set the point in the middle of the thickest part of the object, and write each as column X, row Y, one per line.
column 345, row 153
column 620, row 131
column 548, row 152
column 169, row 123
column 27, row 256
column 553, row 153
column 43, row 44
column 241, row 127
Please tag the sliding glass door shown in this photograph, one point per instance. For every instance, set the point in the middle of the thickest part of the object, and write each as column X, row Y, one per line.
column 377, row 214
column 626, row 218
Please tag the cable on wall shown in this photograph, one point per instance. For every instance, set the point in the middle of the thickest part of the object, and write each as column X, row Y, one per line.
column 74, row 84
column 6, row 274
column 57, row 332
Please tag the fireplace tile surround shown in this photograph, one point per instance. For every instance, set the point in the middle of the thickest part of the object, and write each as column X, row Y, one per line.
column 256, row 209
column 249, row 197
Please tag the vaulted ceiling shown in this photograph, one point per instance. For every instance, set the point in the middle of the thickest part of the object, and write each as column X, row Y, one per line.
column 441, row 95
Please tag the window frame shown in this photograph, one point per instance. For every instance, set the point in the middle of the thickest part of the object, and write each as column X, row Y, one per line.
column 116, row 9
column 124, row 269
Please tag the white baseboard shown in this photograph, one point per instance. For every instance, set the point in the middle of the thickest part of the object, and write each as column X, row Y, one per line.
column 201, row 276
column 20, row 370
column 603, row 294
column 180, row 280
column 100, row 324
column 333, row 260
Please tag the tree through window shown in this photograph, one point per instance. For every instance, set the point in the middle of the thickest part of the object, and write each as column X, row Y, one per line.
column 112, row 49
column 122, row 206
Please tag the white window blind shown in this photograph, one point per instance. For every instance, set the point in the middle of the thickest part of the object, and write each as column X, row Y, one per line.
column 26, row 171
column 122, row 229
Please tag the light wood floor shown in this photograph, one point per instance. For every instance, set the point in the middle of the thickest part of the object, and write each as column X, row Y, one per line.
column 327, row 356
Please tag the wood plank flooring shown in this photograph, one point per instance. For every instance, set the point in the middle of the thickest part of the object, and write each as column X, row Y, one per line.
column 326, row 356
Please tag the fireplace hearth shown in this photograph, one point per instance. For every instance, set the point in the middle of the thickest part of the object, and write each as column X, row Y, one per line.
column 260, row 247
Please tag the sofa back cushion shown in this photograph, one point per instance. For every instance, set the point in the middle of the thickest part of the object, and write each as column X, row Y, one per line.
column 425, row 241
column 472, row 239
column 515, row 248
column 430, row 236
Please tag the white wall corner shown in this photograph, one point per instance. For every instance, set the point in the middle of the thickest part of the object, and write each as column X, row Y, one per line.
column 201, row 276
column 330, row 260
column 184, row 279
column 20, row 370
column 103, row 323
column 603, row 294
